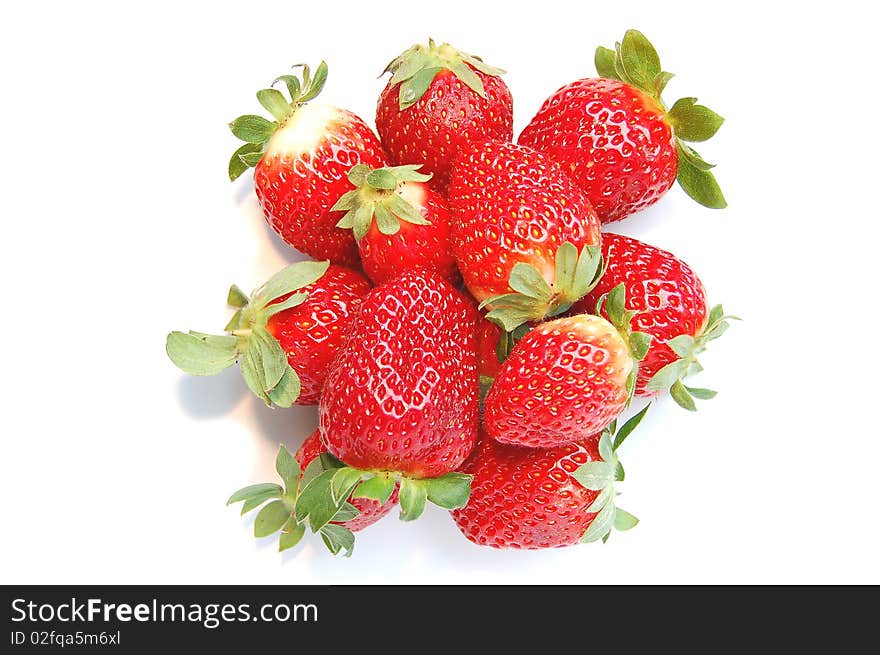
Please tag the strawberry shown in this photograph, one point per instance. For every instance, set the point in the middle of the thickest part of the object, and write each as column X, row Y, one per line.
column 411, row 226
column 370, row 510
column 618, row 140
column 566, row 379
column 299, row 474
column 284, row 336
column 545, row 497
column 438, row 99
column 300, row 163
column 524, row 236
column 489, row 338
column 671, row 305
column 400, row 403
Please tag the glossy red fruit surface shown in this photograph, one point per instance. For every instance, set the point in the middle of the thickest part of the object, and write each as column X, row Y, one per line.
column 526, row 497
column 510, row 205
column 403, row 394
column 370, row 510
column 666, row 292
column 565, row 380
column 303, row 173
column 448, row 116
column 313, row 333
column 612, row 139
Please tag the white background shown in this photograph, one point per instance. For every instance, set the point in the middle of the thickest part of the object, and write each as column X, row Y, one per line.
column 118, row 225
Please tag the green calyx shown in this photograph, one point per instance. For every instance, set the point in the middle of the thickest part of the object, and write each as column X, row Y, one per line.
column 416, row 68
column 601, row 475
column 534, row 299
column 614, row 303
column 635, row 61
column 688, row 348
column 256, row 131
column 377, row 194
column 329, row 491
column 280, row 512
column 264, row 364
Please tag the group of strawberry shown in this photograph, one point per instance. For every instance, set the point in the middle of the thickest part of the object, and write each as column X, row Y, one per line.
column 507, row 418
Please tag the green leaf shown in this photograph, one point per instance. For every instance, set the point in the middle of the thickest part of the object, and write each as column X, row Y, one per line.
column 701, row 394
column 411, row 90
column 410, row 173
column 253, row 503
column 666, row 376
column 252, row 372
column 615, row 305
column 587, row 273
column 717, row 330
column 407, row 65
column 328, row 462
column 525, row 279
column 316, row 84
column 594, row 475
column 270, row 519
column 406, row 211
column 289, row 279
column 449, row 491
column 236, row 297
column 382, row 178
column 253, row 129
column 693, row 122
column 378, row 488
column 682, row 397
column 295, row 300
column 464, row 73
column 346, row 513
column 606, row 451
column 627, row 428
column 347, row 200
column 338, row 539
column 288, row 469
column 640, row 60
column 682, row 345
column 601, row 524
column 660, row 82
column 623, row 520
column 604, row 60
column 619, row 473
column 291, row 537
column 510, row 318
column 201, row 354
column 316, row 501
column 566, row 264
column 715, row 315
column 699, row 184
column 639, row 342
column 237, row 165
column 274, row 102
column 272, row 357
column 601, row 500
column 692, row 157
column 385, row 220
column 292, row 84
column 481, row 65
column 363, row 219
column 413, row 494
column 313, row 470
column 343, row 483
column 254, row 491
column 285, row 393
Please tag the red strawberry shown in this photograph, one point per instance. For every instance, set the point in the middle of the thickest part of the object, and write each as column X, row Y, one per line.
column 671, row 305
column 565, row 380
column 617, row 139
column 299, row 475
column 488, row 337
column 284, row 337
column 437, row 100
column 525, row 237
column 370, row 510
column 301, row 160
column 544, row 497
column 400, row 402
column 411, row 227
